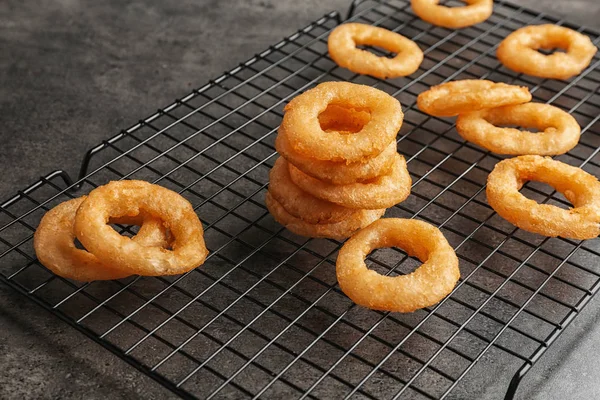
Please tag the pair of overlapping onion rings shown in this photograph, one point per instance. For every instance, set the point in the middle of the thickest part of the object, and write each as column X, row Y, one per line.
column 170, row 240
column 54, row 243
column 483, row 105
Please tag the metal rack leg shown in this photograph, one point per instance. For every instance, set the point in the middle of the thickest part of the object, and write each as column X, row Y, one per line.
column 352, row 8
column 515, row 381
column 85, row 163
column 65, row 177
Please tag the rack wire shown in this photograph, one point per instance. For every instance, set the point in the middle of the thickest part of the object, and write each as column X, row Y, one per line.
column 264, row 317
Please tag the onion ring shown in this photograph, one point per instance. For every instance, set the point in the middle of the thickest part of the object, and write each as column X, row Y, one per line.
column 382, row 192
column 559, row 131
column 299, row 203
column 339, row 173
column 424, row 287
column 457, row 97
column 338, row 230
column 54, row 244
column 342, row 44
column 579, row 187
column 121, row 198
column 301, row 128
column 431, row 11
column 518, row 51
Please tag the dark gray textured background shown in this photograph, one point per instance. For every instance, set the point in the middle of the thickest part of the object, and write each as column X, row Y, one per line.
column 74, row 72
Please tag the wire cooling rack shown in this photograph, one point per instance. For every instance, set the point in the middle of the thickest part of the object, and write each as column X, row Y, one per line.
column 264, row 317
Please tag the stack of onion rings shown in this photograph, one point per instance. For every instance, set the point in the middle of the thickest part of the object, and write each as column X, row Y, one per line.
column 342, row 49
column 167, row 222
column 559, row 131
column 579, row 187
column 340, row 167
column 453, row 17
column 519, row 51
column 424, row 287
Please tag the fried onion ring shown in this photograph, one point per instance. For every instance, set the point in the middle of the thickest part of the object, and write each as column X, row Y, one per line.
column 342, row 49
column 559, row 131
column 381, row 192
column 424, row 287
column 54, row 244
column 338, row 230
column 299, row 203
column 457, row 97
column 339, row 173
column 579, row 187
column 121, row 198
column 301, row 128
column 519, row 51
column 474, row 12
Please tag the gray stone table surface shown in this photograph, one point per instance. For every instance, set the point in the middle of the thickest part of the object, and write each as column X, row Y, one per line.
column 74, row 72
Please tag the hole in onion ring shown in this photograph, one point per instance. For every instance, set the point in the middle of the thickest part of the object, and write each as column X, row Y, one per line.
column 532, row 129
column 380, row 260
column 129, row 226
column 548, row 51
column 130, row 230
column 453, row 3
column 539, row 191
column 376, row 50
column 78, row 244
column 125, row 230
column 342, row 119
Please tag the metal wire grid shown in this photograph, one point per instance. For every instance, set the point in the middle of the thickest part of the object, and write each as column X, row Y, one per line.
column 263, row 316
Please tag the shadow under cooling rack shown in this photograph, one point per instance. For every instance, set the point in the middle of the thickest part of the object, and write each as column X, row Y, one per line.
column 264, row 315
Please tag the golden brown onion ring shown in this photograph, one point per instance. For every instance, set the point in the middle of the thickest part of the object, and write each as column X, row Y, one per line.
column 457, row 97
column 519, row 51
column 302, row 130
column 579, row 187
column 431, row 11
column 342, row 49
column 558, row 131
column 424, row 287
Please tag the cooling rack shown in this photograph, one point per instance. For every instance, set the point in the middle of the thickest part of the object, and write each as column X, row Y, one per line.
column 264, row 317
